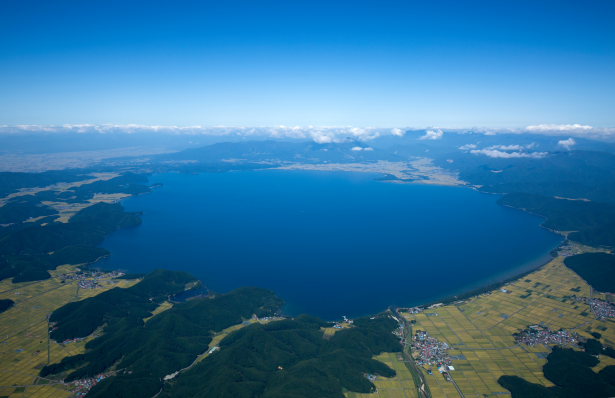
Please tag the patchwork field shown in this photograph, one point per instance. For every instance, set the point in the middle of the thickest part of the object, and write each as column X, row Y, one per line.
column 480, row 330
column 24, row 345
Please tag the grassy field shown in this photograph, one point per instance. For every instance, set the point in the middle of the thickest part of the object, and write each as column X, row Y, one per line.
column 480, row 329
column 24, row 346
column 400, row 386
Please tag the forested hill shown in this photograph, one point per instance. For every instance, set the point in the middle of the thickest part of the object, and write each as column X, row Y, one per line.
column 283, row 358
column 574, row 191
column 11, row 181
column 570, row 174
column 27, row 252
column 590, row 223
column 81, row 318
column 290, row 358
column 144, row 352
column 598, row 269
column 571, row 373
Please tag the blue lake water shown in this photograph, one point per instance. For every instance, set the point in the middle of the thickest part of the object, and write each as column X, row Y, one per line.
column 330, row 244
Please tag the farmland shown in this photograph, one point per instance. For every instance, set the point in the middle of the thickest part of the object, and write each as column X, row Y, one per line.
column 480, row 330
column 24, row 344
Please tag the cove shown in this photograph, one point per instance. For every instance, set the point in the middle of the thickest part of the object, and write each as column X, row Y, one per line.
column 329, row 243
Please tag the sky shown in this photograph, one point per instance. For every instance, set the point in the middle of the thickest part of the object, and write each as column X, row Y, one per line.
column 497, row 63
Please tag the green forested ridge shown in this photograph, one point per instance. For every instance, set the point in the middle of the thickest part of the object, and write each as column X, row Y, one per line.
column 533, row 185
column 569, row 174
column 291, row 359
column 77, row 254
column 572, row 375
column 129, row 183
column 598, row 269
column 145, row 352
column 13, row 181
column 22, row 208
column 593, row 223
column 81, row 318
column 25, row 251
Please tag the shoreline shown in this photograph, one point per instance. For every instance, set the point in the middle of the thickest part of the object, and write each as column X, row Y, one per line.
column 475, row 292
column 478, row 290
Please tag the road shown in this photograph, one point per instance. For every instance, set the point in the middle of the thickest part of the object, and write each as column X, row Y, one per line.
column 456, row 386
column 417, row 375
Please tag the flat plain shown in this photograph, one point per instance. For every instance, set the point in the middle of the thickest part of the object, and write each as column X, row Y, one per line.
column 24, row 345
column 480, row 330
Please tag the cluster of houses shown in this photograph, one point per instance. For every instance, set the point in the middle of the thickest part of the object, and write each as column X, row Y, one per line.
column 82, row 386
column 429, row 351
column 542, row 334
column 89, row 279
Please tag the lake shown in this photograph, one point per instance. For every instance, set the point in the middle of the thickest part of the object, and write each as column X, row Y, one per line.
column 330, row 244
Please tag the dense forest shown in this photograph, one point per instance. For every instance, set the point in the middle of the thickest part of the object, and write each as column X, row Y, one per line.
column 129, row 183
column 28, row 252
column 572, row 375
column 570, row 174
column 291, row 358
column 573, row 190
column 144, row 352
column 12, row 181
column 591, row 223
column 81, row 318
column 598, row 269
column 33, row 242
column 22, row 208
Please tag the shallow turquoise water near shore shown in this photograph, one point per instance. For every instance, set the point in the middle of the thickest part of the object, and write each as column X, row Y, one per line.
column 330, row 244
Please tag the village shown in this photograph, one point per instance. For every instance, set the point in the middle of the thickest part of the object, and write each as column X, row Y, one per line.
column 600, row 308
column 541, row 334
column 89, row 279
column 429, row 351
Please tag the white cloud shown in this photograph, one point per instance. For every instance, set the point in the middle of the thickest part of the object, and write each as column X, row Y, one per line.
column 559, row 127
column 568, row 144
column 507, row 147
column 575, row 130
column 504, row 151
column 432, row 135
column 496, row 153
column 397, row 132
column 359, row 148
column 316, row 133
column 322, row 137
column 514, row 147
column 325, row 134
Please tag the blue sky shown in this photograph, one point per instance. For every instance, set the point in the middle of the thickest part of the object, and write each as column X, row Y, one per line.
column 363, row 63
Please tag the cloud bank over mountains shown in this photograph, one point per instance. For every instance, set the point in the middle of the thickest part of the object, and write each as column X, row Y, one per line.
column 496, row 153
column 505, row 151
column 318, row 134
column 560, row 128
